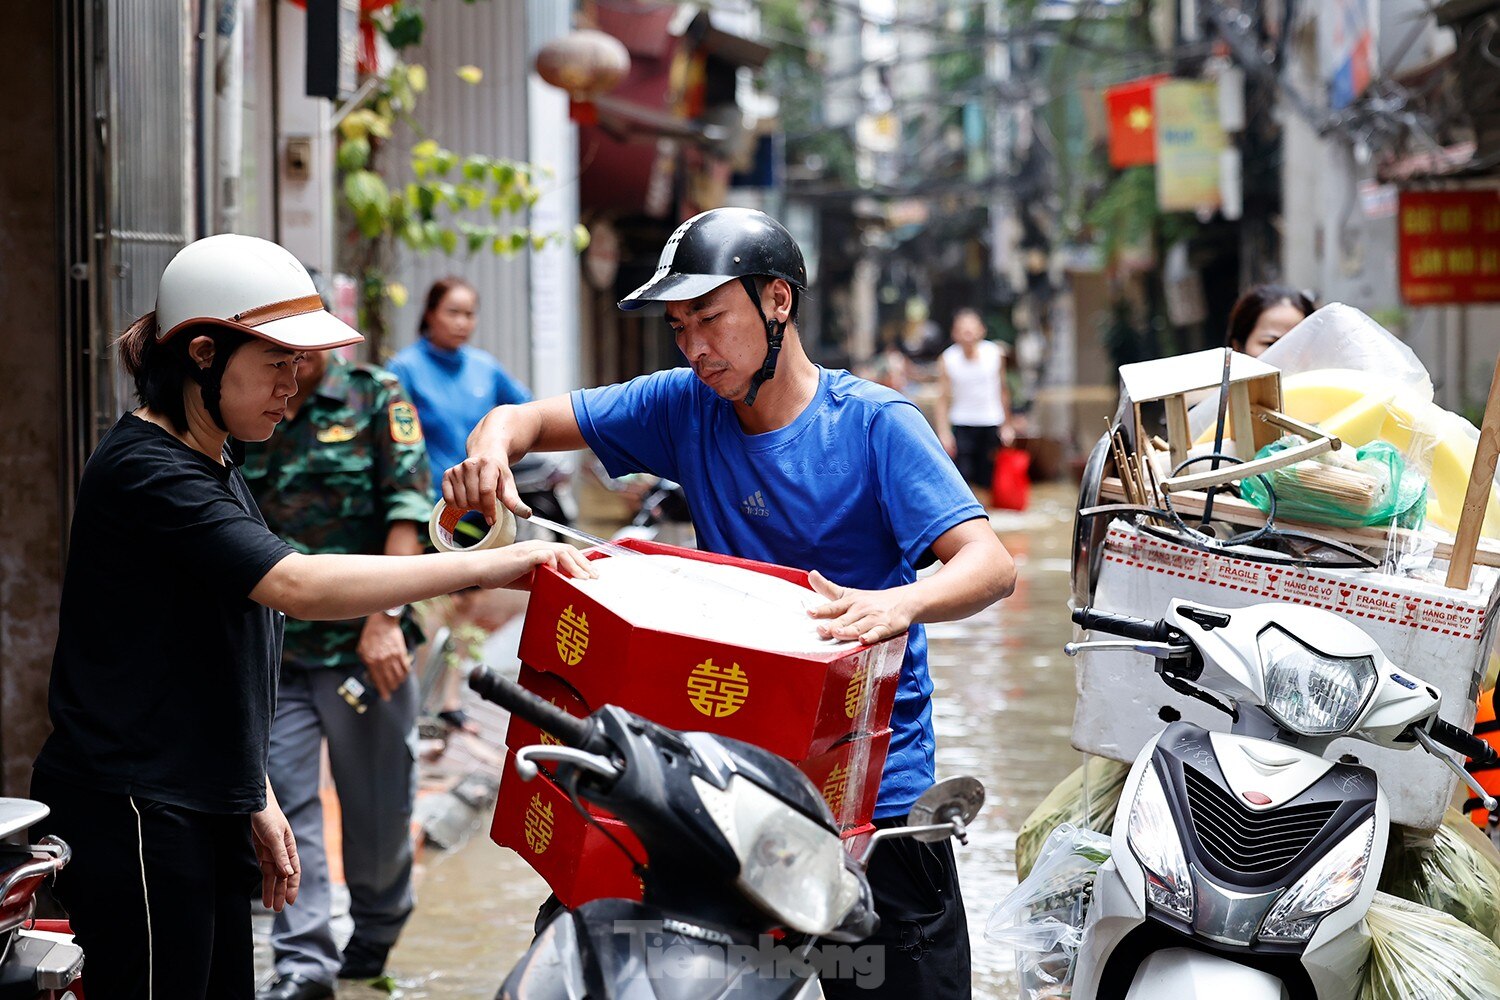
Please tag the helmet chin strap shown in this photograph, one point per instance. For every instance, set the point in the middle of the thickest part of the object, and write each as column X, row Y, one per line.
column 775, row 332
column 208, row 379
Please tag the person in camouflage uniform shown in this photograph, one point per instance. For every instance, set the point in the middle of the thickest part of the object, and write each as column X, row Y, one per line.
column 347, row 472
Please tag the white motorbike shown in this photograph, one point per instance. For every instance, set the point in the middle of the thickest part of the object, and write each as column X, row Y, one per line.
column 1243, row 863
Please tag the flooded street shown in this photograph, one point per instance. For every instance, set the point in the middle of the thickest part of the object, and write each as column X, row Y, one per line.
column 1004, row 707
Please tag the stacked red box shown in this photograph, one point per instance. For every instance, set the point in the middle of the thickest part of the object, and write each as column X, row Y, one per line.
column 828, row 713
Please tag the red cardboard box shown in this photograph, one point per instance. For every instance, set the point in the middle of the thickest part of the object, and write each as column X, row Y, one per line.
column 578, row 860
column 798, row 705
column 551, row 688
column 848, row 776
column 536, row 820
column 828, row 713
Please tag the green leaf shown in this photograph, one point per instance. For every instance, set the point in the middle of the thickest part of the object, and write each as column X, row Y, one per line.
column 476, row 168
column 505, row 173
column 581, row 238
column 472, row 196
column 538, row 242
column 364, row 190
column 406, row 26
column 371, row 222
column 402, row 96
column 353, row 154
column 443, row 161
column 354, row 124
column 476, row 239
column 412, row 234
column 448, row 239
column 426, row 202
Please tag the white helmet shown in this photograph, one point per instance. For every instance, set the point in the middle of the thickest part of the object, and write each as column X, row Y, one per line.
column 251, row 285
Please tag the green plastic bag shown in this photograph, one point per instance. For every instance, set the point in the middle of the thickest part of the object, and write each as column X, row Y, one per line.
column 1417, row 952
column 1086, row 799
column 1373, row 486
column 1457, row 871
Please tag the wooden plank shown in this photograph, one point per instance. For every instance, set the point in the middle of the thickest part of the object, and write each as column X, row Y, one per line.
column 1122, row 468
column 1228, row 474
column 1178, row 438
column 1477, row 496
column 1246, row 440
column 1286, row 423
column 1237, row 511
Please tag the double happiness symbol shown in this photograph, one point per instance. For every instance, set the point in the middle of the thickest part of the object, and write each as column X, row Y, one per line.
column 538, row 825
column 835, row 788
column 717, row 691
column 572, row 635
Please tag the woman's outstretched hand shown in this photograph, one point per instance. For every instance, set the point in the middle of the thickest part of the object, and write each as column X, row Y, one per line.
column 513, row 564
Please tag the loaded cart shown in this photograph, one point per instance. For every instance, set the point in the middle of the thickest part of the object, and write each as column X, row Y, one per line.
column 683, row 648
column 1200, row 514
column 1235, row 511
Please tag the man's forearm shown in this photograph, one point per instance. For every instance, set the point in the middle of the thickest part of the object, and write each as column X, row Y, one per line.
column 510, row 432
column 506, row 432
column 976, row 576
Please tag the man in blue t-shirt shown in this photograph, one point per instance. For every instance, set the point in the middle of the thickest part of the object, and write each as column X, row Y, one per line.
column 816, row 469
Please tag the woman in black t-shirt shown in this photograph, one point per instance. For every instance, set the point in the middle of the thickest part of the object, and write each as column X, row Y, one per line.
column 169, row 640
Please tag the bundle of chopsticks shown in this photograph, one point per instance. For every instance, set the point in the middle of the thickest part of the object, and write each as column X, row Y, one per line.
column 1137, row 470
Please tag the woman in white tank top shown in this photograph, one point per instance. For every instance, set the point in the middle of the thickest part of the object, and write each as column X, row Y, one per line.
column 973, row 406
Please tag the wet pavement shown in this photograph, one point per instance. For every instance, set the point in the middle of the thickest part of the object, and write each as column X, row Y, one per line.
column 1003, row 705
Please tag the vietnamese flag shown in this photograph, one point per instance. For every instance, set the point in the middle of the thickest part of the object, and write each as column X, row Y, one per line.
column 1132, row 122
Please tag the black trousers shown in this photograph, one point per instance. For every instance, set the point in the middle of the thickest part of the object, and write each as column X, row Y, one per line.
column 158, row 895
column 976, row 448
column 924, row 934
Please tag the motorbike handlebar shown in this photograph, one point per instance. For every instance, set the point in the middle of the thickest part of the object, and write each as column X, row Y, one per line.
column 1142, row 629
column 1465, row 743
column 571, row 730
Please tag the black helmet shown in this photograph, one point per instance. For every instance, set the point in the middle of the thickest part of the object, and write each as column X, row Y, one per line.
column 718, row 246
column 721, row 245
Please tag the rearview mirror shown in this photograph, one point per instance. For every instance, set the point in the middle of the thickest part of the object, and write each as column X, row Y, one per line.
column 957, row 798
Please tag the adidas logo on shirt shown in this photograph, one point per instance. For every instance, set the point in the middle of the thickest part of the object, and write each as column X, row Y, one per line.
column 754, row 505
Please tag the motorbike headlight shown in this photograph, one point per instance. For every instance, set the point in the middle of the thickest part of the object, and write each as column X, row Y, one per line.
column 1331, row 883
column 790, row 866
column 1153, row 838
column 1310, row 693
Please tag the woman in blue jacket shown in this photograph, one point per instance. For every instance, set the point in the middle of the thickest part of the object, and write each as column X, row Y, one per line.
column 452, row 384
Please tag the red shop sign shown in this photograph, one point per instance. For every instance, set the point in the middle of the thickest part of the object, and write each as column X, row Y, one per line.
column 1450, row 247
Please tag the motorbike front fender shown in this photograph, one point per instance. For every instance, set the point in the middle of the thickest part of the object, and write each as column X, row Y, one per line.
column 617, row 949
column 1185, row 974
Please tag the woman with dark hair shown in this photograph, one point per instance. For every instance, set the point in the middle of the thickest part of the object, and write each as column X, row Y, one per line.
column 1264, row 314
column 452, row 384
column 169, row 635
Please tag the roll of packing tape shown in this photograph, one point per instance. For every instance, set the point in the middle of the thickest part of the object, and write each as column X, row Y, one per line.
column 445, row 521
